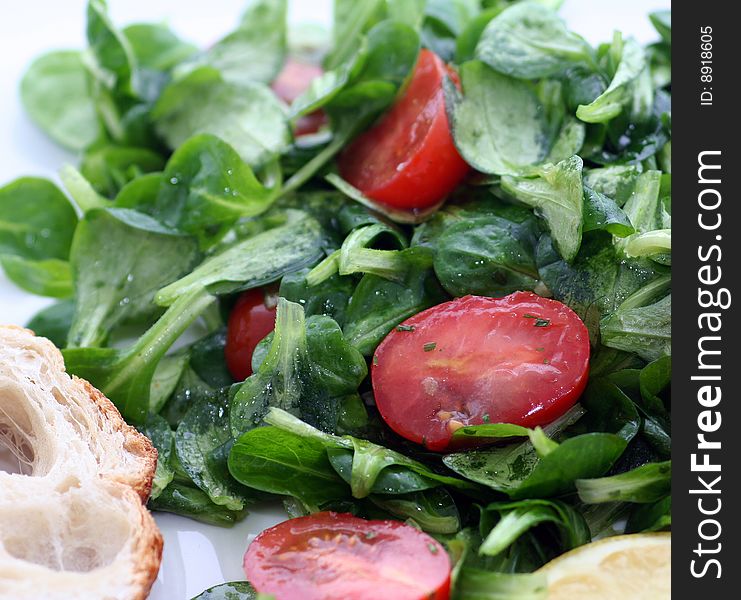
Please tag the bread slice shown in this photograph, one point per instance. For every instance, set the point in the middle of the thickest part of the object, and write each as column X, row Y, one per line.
column 72, row 519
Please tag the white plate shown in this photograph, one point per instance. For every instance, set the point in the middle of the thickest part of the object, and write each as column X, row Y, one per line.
column 196, row 556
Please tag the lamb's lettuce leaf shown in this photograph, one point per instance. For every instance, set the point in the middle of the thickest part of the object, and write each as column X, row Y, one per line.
column 498, row 124
column 529, row 41
column 308, row 371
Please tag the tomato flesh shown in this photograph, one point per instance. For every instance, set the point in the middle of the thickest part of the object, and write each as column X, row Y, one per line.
column 521, row 359
column 293, row 80
column 408, row 159
column 334, row 556
column 251, row 319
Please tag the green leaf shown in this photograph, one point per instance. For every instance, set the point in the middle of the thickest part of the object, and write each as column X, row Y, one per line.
column 324, row 88
column 657, row 243
column 235, row 590
column 125, row 375
column 155, row 46
column 515, row 518
column 608, row 409
column 487, row 256
column 189, row 386
column 433, row 510
column 465, row 46
column 392, row 51
column 598, row 280
column 280, row 462
column 161, row 436
column 308, row 368
column 491, row 431
column 55, row 92
column 165, row 379
column 208, row 361
column 651, row 517
column 201, row 437
column 645, row 330
column 328, row 298
column 529, row 41
column 620, row 91
column 541, row 442
column 383, row 471
column 505, row 467
column 581, row 457
column 254, row 261
column 367, row 467
column 53, row 322
column 51, row 277
column 365, row 82
column 139, row 193
column 249, row 117
column 648, row 483
column 206, row 188
column 498, row 124
column 108, row 168
column 601, row 212
column 358, row 90
column 110, row 50
column 351, row 18
column 183, row 499
column 520, row 473
column 397, row 215
column 662, row 21
column 653, row 379
column 114, row 287
column 452, row 15
column 378, row 305
column 569, row 141
column 357, row 256
column 480, row 584
column 470, row 204
column 37, row 221
column 36, row 227
column 615, row 181
column 255, row 51
column 556, row 194
column 83, row 194
column 643, row 208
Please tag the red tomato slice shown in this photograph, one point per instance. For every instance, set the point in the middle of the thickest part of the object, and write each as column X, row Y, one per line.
column 251, row 319
column 408, row 159
column 521, row 359
column 290, row 83
column 333, row 556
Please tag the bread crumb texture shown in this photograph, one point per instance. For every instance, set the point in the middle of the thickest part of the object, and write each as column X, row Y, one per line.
column 74, row 478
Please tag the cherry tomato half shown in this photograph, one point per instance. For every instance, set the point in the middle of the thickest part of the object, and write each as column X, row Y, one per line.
column 521, row 359
column 290, row 83
column 408, row 159
column 251, row 319
column 333, row 556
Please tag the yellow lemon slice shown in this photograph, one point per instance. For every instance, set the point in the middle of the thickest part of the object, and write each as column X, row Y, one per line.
column 634, row 566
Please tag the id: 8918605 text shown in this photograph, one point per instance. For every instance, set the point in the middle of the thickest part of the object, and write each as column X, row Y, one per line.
column 706, row 65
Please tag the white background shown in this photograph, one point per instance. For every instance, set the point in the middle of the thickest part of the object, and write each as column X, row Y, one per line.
column 196, row 556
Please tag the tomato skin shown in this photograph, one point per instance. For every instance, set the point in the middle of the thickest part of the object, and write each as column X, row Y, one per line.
column 408, row 159
column 520, row 359
column 290, row 83
column 334, row 556
column 251, row 319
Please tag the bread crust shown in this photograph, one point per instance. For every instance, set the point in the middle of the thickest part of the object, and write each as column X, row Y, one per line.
column 149, row 553
column 123, row 465
column 135, row 442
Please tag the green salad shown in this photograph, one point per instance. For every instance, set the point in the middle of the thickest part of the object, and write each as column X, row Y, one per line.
column 419, row 273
